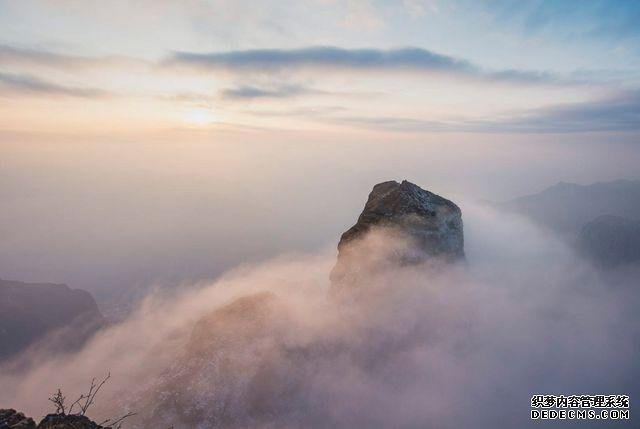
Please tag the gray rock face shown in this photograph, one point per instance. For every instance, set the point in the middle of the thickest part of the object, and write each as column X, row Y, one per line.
column 418, row 225
column 610, row 241
column 30, row 311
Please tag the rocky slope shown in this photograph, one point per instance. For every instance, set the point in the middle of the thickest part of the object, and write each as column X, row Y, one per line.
column 233, row 372
column 29, row 312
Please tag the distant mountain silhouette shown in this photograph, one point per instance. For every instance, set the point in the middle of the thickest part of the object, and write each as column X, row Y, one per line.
column 610, row 241
column 566, row 207
column 29, row 312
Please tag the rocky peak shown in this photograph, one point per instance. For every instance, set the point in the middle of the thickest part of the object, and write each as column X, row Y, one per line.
column 417, row 224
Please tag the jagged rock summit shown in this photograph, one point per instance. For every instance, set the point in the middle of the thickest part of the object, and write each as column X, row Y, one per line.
column 413, row 225
column 435, row 221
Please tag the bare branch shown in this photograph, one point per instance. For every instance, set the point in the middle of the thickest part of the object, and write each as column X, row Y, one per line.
column 58, row 400
column 91, row 395
column 76, row 402
column 117, row 423
column 84, row 402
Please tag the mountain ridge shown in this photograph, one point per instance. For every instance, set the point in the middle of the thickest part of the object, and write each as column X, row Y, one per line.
column 29, row 312
column 566, row 207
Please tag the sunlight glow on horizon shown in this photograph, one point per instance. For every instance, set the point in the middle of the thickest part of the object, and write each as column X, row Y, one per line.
column 199, row 117
column 417, row 68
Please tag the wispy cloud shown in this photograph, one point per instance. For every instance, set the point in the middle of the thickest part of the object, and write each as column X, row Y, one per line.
column 616, row 113
column 248, row 92
column 31, row 85
column 12, row 55
column 400, row 59
column 322, row 56
column 620, row 112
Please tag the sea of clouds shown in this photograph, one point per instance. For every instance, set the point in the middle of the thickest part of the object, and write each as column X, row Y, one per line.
column 436, row 345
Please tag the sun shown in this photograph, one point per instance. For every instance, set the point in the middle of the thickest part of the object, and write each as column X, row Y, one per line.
column 199, row 117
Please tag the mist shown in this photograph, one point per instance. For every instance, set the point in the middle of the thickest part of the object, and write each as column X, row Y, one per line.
column 114, row 217
column 462, row 345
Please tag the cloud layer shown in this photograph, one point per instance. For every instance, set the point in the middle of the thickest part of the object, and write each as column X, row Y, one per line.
column 275, row 74
column 619, row 112
column 15, row 84
column 400, row 59
column 248, row 92
column 449, row 346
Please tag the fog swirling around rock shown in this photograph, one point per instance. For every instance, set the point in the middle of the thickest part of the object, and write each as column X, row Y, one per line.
column 433, row 344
